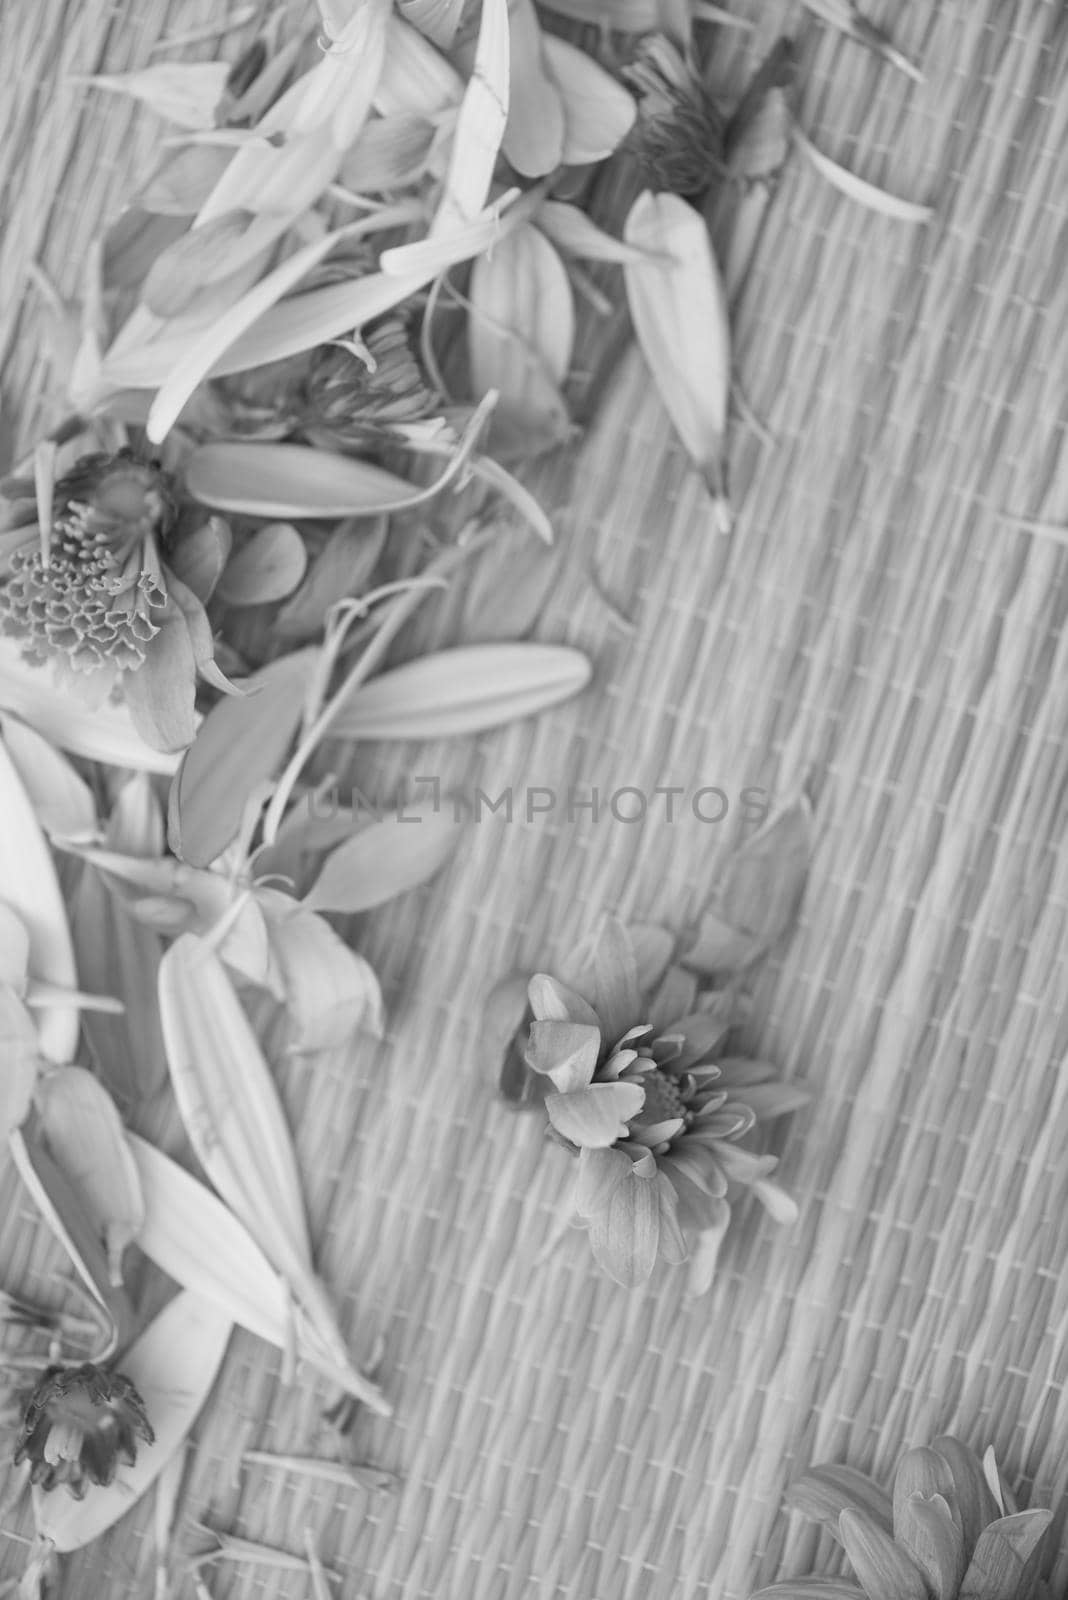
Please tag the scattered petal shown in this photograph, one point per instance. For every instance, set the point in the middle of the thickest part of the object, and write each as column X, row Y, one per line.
column 31, row 889
column 385, row 859
column 241, row 743
column 187, row 93
column 858, row 189
column 598, row 111
column 679, row 309
column 265, row 569
column 83, row 1133
column 466, row 690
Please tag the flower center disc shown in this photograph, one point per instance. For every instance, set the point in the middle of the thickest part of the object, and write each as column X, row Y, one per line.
column 663, row 1097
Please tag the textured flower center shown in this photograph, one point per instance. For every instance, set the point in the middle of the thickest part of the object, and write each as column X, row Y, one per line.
column 663, row 1098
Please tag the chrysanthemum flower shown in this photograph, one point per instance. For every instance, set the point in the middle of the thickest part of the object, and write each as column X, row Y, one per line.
column 679, row 132
column 79, row 1424
column 950, row 1529
column 95, row 599
column 655, row 1115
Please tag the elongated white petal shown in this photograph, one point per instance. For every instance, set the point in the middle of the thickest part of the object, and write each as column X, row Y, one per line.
column 679, row 309
column 415, row 76
column 859, row 189
column 185, row 92
column 192, row 1237
column 598, row 111
column 85, row 1136
column 62, row 1209
column 533, row 138
column 29, row 886
column 292, row 480
column 520, row 335
column 480, row 125
column 61, row 798
column 206, row 351
column 572, row 231
column 104, row 733
column 427, row 257
column 173, row 1367
column 229, row 1103
column 466, row 690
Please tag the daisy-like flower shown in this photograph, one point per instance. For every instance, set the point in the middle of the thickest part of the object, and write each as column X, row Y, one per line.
column 95, row 599
column 79, row 1423
column 950, row 1528
column 655, row 1114
column 680, row 129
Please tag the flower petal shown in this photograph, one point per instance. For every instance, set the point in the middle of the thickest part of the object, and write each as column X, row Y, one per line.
column 934, row 1541
column 625, row 1235
column 18, row 1043
column 923, row 1472
column 672, row 1243
column 769, row 1100
column 703, row 1031
column 160, row 694
column 884, row 1570
column 674, row 998
column 598, row 111
column 615, row 980
column 810, row 1589
column 743, row 1166
column 698, row 1165
column 596, row 1117
column 331, row 992
column 566, row 1052
column 824, row 1492
column 780, row 1206
column 553, row 1001
column 704, row 1252
column 600, row 1172
column 1002, row 1552
column 971, row 1492
column 105, row 733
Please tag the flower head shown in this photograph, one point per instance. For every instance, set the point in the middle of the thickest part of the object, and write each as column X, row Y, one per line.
column 355, row 393
column 80, row 1422
column 92, row 596
column 679, row 131
column 654, row 1113
column 89, row 601
column 950, row 1528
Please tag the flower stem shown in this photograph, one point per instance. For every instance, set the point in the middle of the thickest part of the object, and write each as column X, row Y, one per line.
column 407, row 603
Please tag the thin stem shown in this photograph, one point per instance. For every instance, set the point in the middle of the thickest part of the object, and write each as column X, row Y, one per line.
column 407, row 604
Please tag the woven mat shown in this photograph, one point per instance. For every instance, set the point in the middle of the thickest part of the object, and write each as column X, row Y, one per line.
column 873, row 627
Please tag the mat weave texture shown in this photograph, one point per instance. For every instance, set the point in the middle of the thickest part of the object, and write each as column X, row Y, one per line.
column 874, row 628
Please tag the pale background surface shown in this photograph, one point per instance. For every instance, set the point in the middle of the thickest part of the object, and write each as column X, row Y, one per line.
column 873, row 628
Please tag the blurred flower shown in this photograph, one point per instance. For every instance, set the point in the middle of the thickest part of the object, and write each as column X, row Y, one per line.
column 679, row 132
column 92, row 596
column 950, row 1529
column 655, row 1115
column 79, row 1423
column 360, row 390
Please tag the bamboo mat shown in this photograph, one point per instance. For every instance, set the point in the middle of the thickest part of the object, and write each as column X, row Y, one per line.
column 873, row 627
